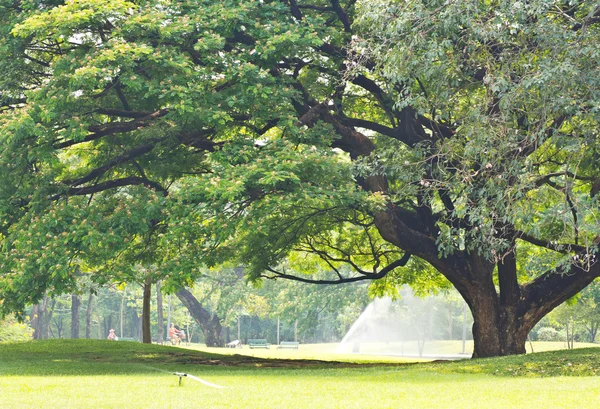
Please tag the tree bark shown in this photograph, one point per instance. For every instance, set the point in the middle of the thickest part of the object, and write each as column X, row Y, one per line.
column 40, row 321
column 35, row 321
column 159, row 309
column 121, row 313
column 75, row 310
column 210, row 325
column 48, row 320
column 146, row 332
column 88, row 317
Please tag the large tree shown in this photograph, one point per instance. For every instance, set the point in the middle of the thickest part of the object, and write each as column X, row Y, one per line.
column 464, row 136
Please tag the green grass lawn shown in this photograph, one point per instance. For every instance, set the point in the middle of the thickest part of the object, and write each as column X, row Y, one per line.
column 102, row 374
column 371, row 352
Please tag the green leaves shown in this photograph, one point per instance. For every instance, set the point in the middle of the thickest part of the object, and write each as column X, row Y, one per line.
column 63, row 21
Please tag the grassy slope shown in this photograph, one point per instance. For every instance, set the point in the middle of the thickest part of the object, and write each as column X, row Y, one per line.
column 102, row 374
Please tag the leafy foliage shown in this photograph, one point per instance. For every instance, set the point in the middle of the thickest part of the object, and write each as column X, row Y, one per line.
column 13, row 331
column 422, row 142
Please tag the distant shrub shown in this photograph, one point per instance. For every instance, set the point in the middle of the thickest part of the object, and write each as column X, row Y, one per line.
column 11, row 330
column 549, row 334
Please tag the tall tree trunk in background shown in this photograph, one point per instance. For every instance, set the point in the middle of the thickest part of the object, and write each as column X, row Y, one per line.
column 135, row 326
column 75, row 309
column 146, row 333
column 48, row 319
column 88, row 316
column 35, row 321
column 159, row 309
column 121, row 312
column 210, row 325
column 593, row 330
column 39, row 319
column 59, row 327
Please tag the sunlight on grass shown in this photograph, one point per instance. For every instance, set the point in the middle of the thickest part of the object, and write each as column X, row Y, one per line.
column 370, row 352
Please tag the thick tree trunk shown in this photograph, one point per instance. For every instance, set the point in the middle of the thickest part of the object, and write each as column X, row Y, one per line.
column 210, row 325
column 159, row 310
column 88, row 317
column 498, row 331
column 75, row 309
column 146, row 333
column 501, row 322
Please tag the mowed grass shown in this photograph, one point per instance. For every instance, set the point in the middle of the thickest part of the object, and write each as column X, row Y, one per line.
column 374, row 351
column 102, row 374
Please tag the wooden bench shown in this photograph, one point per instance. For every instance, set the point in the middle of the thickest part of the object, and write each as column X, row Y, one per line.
column 288, row 345
column 258, row 343
column 126, row 339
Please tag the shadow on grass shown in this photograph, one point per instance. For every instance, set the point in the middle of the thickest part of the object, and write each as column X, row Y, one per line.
column 577, row 362
column 98, row 357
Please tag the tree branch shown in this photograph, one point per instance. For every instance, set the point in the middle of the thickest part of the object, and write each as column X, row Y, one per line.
column 112, row 128
column 127, row 156
column 111, row 184
column 370, row 276
column 558, row 247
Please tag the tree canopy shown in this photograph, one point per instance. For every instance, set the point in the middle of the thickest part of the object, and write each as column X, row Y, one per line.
column 415, row 142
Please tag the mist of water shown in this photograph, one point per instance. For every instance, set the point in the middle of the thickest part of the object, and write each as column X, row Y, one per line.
column 202, row 381
column 411, row 326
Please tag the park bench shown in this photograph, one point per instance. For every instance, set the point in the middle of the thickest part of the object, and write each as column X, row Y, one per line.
column 125, row 339
column 234, row 344
column 258, row 343
column 288, row 345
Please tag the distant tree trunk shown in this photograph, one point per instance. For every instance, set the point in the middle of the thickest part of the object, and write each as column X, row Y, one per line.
column 39, row 320
column 107, row 324
column 121, row 312
column 59, row 327
column 135, row 324
column 146, row 332
column 48, row 319
column 75, row 309
column 35, row 320
column 42, row 327
column 88, row 317
column 593, row 330
column 210, row 325
column 159, row 309
column 169, row 312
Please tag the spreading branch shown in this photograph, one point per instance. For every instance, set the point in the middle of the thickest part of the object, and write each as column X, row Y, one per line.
column 340, row 280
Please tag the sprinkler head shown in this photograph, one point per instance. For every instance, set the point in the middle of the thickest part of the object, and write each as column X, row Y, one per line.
column 181, row 375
